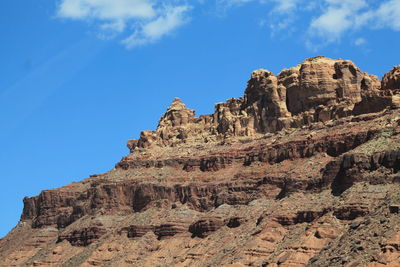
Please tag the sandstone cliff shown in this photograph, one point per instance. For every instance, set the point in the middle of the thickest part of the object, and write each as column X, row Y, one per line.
column 317, row 90
column 303, row 170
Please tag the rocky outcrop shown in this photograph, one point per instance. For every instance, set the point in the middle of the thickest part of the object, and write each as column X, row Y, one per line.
column 341, row 174
column 303, row 170
column 323, row 81
column 317, row 90
column 351, row 212
column 299, row 217
column 55, row 208
column 333, row 145
column 391, row 80
column 133, row 231
column 204, row 227
column 125, row 197
column 170, row 229
column 264, row 101
column 171, row 127
column 83, row 237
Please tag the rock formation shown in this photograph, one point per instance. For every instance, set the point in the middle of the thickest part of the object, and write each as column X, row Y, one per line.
column 317, row 90
column 303, row 170
column 391, row 80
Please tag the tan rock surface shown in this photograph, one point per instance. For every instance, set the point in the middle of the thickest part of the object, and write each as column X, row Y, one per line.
column 391, row 80
column 304, row 170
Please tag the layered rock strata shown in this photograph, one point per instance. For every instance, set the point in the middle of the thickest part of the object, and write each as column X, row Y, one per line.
column 317, row 90
column 303, row 170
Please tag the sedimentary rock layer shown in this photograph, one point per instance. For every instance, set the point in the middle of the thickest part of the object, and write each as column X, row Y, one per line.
column 303, row 170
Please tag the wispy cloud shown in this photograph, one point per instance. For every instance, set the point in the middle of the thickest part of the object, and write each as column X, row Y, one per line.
column 360, row 41
column 337, row 17
column 280, row 14
column 326, row 21
column 340, row 17
column 143, row 21
column 152, row 31
column 387, row 15
column 284, row 6
column 318, row 22
column 106, row 9
column 281, row 6
column 232, row 3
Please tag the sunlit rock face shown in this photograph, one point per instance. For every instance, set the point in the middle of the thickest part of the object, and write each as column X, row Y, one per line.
column 391, row 80
column 303, row 170
column 317, row 90
column 323, row 81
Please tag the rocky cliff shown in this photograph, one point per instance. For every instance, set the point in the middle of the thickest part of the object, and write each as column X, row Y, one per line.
column 303, row 170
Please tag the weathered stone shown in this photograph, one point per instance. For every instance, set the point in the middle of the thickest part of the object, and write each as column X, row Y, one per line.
column 302, row 170
column 391, row 80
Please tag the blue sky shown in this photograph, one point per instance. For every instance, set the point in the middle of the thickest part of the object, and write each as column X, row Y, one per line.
column 78, row 78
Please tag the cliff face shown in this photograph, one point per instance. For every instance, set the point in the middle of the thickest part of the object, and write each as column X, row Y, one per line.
column 302, row 170
column 318, row 90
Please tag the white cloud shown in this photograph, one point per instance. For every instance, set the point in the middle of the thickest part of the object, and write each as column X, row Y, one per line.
column 231, row 3
column 281, row 6
column 222, row 6
column 318, row 22
column 152, row 31
column 360, row 41
column 280, row 15
column 338, row 17
column 116, row 26
column 326, row 21
column 106, row 9
column 285, row 6
column 387, row 15
column 344, row 16
column 148, row 20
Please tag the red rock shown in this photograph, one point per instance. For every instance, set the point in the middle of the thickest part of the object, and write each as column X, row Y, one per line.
column 351, row 212
column 204, row 227
column 83, row 237
column 301, row 170
column 323, row 81
column 391, row 80
column 133, row 231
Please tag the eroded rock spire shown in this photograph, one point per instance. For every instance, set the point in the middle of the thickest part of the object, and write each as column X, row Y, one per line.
column 176, row 115
column 317, row 90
